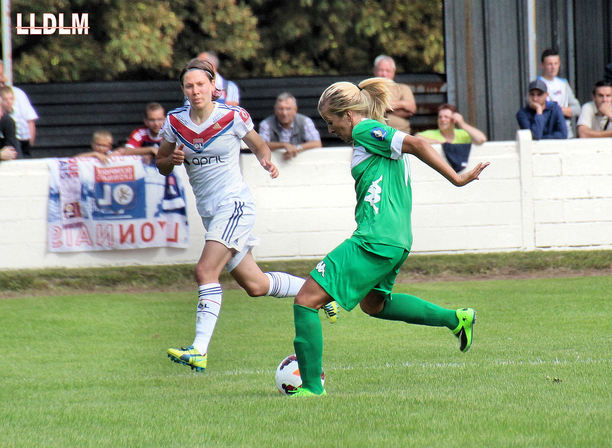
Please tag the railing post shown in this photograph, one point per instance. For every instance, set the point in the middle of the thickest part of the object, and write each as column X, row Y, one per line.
column 524, row 144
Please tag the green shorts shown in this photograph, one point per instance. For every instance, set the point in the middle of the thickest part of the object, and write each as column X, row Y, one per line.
column 354, row 268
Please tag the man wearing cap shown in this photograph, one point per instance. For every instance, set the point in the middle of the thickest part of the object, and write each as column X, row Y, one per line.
column 544, row 118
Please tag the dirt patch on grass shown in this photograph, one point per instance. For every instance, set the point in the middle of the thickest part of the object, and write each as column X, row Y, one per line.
column 229, row 283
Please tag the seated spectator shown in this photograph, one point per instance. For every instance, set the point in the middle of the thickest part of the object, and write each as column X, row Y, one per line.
column 558, row 89
column 544, row 118
column 8, row 129
column 287, row 129
column 23, row 113
column 595, row 119
column 102, row 147
column 452, row 128
column 402, row 99
column 145, row 141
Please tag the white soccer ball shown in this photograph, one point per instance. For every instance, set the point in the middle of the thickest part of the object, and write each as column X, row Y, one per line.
column 288, row 378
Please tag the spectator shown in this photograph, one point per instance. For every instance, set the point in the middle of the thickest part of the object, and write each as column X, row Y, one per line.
column 559, row 89
column 145, row 141
column 402, row 99
column 227, row 90
column 595, row 119
column 452, row 128
column 544, row 118
column 287, row 129
column 101, row 146
column 8, row 133
column 24, row 115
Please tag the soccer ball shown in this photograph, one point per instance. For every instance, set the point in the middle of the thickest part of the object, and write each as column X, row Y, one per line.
column 288, row 378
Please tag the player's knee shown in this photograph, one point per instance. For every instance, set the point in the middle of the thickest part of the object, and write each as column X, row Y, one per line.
column 300, row 299
column 255, row 289
column 204, row 276
column 370, row 308
column 308, row 300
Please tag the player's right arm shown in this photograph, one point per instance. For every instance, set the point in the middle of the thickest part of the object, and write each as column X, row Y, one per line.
column 168, row 156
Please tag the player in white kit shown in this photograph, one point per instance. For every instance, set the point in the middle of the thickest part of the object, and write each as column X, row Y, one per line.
column 205, row 135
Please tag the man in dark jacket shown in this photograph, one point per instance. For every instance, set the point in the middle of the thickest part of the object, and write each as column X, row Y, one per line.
column 544, row 118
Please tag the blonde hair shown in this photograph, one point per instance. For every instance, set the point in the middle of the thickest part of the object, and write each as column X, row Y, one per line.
column 6, row 89
column 371, row 98
column 102, row 134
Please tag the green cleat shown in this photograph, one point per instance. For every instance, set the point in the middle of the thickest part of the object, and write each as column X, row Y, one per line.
column 465, row 329
column 301, row 392
column 189, row 356
column 331, row 311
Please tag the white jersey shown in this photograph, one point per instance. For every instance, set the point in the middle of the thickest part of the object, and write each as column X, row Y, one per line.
column 22, row 113
column 212, row 152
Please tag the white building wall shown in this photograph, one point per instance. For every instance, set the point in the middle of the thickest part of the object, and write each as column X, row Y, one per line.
column 535, row 195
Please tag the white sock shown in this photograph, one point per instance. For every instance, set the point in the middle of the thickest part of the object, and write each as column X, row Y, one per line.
column 209, row 306
column 283, row 284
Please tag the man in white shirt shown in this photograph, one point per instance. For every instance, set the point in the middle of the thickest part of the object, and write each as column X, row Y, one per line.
column 595, row 119
column 559, row 89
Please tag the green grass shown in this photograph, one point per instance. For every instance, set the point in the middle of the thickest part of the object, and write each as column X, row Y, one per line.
column 91, row 370
column 421, row 267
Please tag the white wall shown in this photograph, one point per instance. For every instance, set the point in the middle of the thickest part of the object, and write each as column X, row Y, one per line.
column 535, row 195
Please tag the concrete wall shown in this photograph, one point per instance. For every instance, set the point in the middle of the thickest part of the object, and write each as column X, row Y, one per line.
column 535, row 195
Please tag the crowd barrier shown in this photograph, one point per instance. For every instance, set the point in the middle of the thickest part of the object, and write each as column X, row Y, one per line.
column 536, row 195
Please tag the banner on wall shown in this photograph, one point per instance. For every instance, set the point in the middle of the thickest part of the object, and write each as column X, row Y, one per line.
column 123, row 204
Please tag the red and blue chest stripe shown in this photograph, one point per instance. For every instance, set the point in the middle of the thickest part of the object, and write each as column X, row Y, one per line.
column 199, row 141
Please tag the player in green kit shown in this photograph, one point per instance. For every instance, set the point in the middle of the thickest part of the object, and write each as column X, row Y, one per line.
column 362, row 270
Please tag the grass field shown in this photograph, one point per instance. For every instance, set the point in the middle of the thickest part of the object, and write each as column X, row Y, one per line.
column 91, row 370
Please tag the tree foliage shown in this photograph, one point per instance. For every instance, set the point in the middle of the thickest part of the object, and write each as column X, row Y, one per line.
column 343, row 37
column 152, row 39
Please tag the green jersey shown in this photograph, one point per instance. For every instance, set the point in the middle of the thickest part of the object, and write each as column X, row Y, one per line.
column 382, row 185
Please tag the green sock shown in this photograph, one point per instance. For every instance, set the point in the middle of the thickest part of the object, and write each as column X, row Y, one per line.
column 308, row 345
column 413, row 310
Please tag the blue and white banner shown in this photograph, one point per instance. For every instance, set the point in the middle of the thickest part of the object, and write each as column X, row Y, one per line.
column 123, row 204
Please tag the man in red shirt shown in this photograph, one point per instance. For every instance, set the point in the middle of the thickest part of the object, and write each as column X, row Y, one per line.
column 144, row 141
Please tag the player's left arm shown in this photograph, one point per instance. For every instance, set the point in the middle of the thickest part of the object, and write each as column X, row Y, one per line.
column 261, row 150
column 425, row 152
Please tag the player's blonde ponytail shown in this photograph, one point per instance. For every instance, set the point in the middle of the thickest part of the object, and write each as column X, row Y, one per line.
column 379, row 97
column 371, row 98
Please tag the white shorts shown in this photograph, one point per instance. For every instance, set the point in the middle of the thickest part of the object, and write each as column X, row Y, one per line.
column 232, row 226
